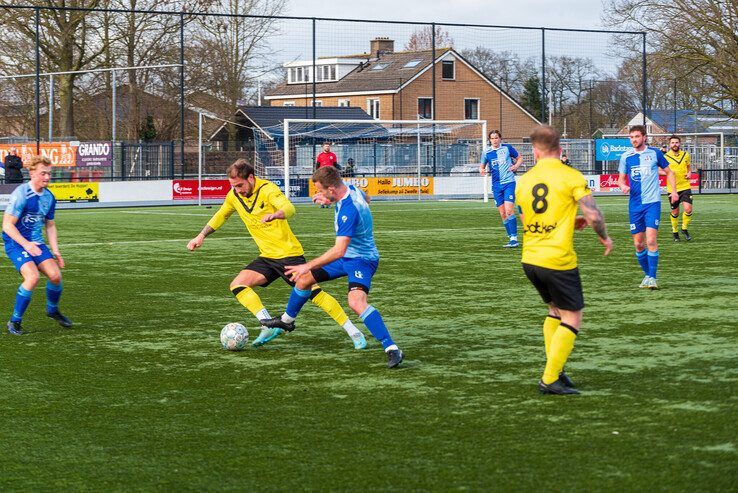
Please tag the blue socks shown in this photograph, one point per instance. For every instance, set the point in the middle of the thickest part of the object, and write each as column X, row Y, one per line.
column 653, row 263
column 373, row 321
column 643, row 261
column 53, row 293
column 511, row 226
column 297, row 300
column 22, row 299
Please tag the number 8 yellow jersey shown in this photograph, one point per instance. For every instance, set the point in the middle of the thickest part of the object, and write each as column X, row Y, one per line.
column 548, row 195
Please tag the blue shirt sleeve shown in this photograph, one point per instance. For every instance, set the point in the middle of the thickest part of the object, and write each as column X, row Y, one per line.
column 17, row 203
column 622, row 168
column 484, row 157
column 52, row 209
column 511, row 150
column 347, row 220
column 660, row 159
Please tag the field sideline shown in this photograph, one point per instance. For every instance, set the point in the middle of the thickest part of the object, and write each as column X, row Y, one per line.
column 140, row 396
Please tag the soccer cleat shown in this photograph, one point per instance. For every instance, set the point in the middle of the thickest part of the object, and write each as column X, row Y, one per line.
column 15, row 328
column 266, row 335
column 557, row 388
column 278, row 323
column 644, row 282
column 564, row 378
column 511, row 244
column 359, row 342
column 686, row 235
column 394, row 358
column 652, row 283
column 676, row 237
column 61, row 319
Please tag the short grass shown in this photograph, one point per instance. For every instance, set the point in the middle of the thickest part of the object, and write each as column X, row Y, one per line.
column 140, row 396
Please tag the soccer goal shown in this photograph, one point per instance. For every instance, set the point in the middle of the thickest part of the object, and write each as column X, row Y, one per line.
column 387, row 158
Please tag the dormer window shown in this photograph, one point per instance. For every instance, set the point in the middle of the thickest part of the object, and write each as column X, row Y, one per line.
column 411, row 64
column 302, row 74
column 380, row 66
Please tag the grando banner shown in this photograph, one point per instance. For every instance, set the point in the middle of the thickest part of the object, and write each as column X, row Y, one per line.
column 611, row 149
column 389, row 186
column 94, row 154
column 76, row 192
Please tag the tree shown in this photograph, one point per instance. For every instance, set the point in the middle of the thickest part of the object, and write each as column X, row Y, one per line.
column 504, row 68
column 688, row 38
column 422, row 39
column 531, row 98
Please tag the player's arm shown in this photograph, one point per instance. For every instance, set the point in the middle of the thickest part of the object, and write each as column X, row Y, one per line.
column 10, row 229
column 622, row 169
column 670, row 175
column 285, row 208
column 596, row 220
column 218, row 219
column 688, row 158
column 53, row 239
column 483, row 166
column 517, row 157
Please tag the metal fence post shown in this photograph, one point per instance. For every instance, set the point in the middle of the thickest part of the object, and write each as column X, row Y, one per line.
column 543, row 75
column 37, row 11
column 181, row 96
column 645, row 84
column 699, row 177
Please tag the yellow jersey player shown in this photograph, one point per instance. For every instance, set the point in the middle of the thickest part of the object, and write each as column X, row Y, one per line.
column 264, row 210
column 548, row 195
column 680, row 163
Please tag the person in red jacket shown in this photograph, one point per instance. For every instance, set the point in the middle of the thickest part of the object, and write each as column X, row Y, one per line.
column 326, row 158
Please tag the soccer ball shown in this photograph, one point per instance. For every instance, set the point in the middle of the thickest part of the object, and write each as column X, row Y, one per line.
column 234, row 337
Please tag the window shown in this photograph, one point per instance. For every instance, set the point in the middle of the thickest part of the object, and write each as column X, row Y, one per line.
column 298, row 74
column 425, row 108
column 288, row 103
column 411, row 64
column 372, row 107
column 344, row 103
column 447, row 70
column 380, row 66
column 332, row 75
column 471, row 109
column 319, row 74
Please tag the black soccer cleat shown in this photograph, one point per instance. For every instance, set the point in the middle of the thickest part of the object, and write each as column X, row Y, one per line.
column 556, row 388
column 60, row 319
column 676, row 237
column 278, row 323
column 564, row 378
column 686, row 235
column 394, row 358
column 15, row 328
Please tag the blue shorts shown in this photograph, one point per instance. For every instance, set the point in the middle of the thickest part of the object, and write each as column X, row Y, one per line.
column 19, row 256
column 644, row 216
column 358, row 270
column 504, row 193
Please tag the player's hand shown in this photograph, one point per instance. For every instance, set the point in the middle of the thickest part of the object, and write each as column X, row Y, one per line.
column 295, row 272
column 483, row 171
column 674, row 197
column 269, row 218
column 59, row 259
column 580, row 223
column 320, row 199
column 625, row 189
column 688, row 176
column 33, row 250
column 195, row 242
column 607, row 243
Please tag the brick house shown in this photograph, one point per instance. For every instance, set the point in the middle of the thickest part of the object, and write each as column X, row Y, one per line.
column 393, row 85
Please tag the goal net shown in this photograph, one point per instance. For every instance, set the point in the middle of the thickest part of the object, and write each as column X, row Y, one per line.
column 386, row 158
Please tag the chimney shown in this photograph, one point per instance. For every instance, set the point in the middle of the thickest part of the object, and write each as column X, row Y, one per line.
column 381, row 45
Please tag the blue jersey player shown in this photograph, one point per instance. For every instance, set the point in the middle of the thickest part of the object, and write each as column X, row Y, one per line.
column 32, row 207
column 354, row 255
column 641, row 165
column 498, row 160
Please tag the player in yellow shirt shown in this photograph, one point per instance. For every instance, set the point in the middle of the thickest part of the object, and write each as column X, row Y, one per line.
column 264, row 210
column 548, row 195
column 680, row 163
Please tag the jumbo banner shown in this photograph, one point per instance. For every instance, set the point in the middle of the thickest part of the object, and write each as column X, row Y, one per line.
column 75, row 192
column 211, row 189
column 389, row 186
column 60, row 153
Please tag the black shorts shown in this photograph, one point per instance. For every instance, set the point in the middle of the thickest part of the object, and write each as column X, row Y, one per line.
column 563, row 288
column 685, row 197
column 273, row 268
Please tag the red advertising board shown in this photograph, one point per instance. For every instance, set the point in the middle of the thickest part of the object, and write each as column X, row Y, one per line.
column 609, row 183
column 211, row 189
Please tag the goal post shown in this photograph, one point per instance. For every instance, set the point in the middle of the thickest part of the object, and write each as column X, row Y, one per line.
column 391, row 159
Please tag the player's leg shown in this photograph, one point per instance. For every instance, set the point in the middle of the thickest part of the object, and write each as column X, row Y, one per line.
column 330, row 305
column 687, row 215
column 674, row 218
column 511, row 222
column 300, row 295
column 638, row 231
column 30, row 274
column 652, row 256
column 242, row 288
column 50, row 269
column 360, row 273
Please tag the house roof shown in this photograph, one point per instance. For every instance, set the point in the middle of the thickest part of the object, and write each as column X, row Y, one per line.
column 367, row 77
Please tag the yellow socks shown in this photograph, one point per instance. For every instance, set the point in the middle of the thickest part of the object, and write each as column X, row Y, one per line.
column 248, row 298
column 549, row 328
column 675, row 222
column 686, row 219
column 562, row 343
column 329, row 305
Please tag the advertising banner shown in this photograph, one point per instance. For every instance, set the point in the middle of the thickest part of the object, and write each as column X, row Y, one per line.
column 298, row 186
column 389, row 186
column 60, row 153
column 95, row 154
column 609, row 183
column 211, row 189
column 611, row 149
column 75, row 192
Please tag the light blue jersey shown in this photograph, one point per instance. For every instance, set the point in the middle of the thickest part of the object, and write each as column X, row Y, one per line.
column 499, row 161
column 643, row 174
column 32, row 210
column 354, row 219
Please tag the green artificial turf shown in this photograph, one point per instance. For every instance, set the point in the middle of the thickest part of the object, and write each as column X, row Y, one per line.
column 139, row 394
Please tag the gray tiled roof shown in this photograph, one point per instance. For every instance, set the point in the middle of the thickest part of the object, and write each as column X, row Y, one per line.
column 268, row 116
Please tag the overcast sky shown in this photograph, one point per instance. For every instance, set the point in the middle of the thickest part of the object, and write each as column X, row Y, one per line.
column 581, row 14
